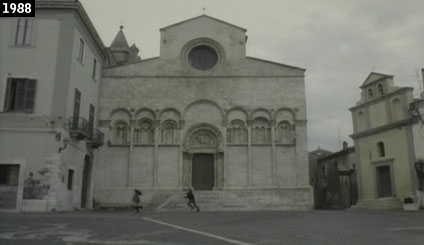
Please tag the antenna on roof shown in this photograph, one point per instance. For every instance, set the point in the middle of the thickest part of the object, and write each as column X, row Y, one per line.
column 340, row 137
column 204, row 10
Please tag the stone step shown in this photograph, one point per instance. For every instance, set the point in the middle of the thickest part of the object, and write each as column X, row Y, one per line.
column 378, row 204
column 206, row 200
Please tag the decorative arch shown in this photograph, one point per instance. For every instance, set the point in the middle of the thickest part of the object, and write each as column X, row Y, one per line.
column 120, row 132
column 283, row 110
column 169, row 132
column 203, row 136
column 144, row 132
column 145, row 113
column 237, row 132
column 117, row 111
column 261, row 112
column 261, row 131
column 205, row 101
column 170, row 109
column 237, row 108
column 285, row 133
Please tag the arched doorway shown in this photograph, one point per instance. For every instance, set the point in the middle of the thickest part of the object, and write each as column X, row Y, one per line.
column 86, row 182
column 203, row 158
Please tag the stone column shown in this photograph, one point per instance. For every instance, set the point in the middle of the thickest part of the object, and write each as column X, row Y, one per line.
column 180, row 154
column 273, row 154
column 249, row 152
column 130, row 181
column 302, row 167
column 156, row 153
column 224, row 160
column 187, row 169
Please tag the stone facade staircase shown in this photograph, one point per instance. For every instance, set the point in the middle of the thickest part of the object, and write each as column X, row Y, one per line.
column 378, row 204
column 206, row 200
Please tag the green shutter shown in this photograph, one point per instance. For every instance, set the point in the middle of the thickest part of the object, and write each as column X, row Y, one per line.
column 7, row 101
column 30, row 95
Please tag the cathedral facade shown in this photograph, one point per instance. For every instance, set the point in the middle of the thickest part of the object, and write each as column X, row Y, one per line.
column 202, row 115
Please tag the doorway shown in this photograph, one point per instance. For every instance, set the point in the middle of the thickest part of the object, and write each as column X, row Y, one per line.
column 85, row 182
column 203, row 172
column 9, row 179
column 384, row 182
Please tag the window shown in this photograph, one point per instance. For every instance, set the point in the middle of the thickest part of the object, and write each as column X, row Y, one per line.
column 237, row 132
column 75, row 115
column 24, row 29
column 77, row 102
column 91, row 119
column 169, row 132
column 81, row 51
column 93, row 75
column 261, row 131
column 121, row 131
column 381, row 150
column 9, row 175
column 370, row 93
column 397, row 110
column 380, row 89
column 203, row 57
column 144, row 132
column 285, row 133
column 20, row 94
column 70, row 178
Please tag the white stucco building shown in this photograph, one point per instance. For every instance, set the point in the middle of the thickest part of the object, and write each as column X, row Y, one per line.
column 204, row 115
column 50, row 72
column 388, row 143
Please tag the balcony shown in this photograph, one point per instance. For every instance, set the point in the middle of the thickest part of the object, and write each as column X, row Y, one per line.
column 78, row 128
column 95, row 139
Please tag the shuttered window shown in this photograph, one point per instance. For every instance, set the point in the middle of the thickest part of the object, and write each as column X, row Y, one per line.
column 91, row 118
column 24, row 31
column 20, row 95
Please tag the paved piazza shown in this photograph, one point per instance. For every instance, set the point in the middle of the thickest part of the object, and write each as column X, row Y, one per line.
column 124, row 227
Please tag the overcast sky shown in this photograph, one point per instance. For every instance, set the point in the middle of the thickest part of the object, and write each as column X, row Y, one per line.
column 339, row 42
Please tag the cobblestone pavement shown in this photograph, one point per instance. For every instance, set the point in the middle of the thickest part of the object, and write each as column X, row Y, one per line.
column 243, row 228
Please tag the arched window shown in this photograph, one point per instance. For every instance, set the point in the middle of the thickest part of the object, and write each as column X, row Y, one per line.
column 169, row 131
column 370, row 93
column 381, row 149
column 285, row 133
column 360, row 120
column 237, row 132
column 143, row 132
column 261, row 131
column 120, row 133
column 380, row 89
column 396, row 110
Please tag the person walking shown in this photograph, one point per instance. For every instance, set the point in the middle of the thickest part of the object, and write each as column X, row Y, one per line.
column 191, row 200
column 136, row 200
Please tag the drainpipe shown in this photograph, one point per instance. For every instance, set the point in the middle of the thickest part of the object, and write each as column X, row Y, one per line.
column 422, row 80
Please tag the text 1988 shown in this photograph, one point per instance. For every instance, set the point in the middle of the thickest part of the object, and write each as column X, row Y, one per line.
column 17, row 8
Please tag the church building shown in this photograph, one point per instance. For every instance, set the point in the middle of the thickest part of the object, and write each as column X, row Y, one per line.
column 202, row 115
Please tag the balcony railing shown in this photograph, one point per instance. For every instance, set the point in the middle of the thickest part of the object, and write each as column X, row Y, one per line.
column 78, row 128
column 96, row 138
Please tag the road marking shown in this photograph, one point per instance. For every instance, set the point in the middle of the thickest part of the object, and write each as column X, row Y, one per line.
column 419, row 228
column 199, row 232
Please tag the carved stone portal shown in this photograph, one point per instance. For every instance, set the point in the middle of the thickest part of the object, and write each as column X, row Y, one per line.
column 203, row 140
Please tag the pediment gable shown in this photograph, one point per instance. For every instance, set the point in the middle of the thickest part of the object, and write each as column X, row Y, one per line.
column 374, row 77
column 199, row 18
